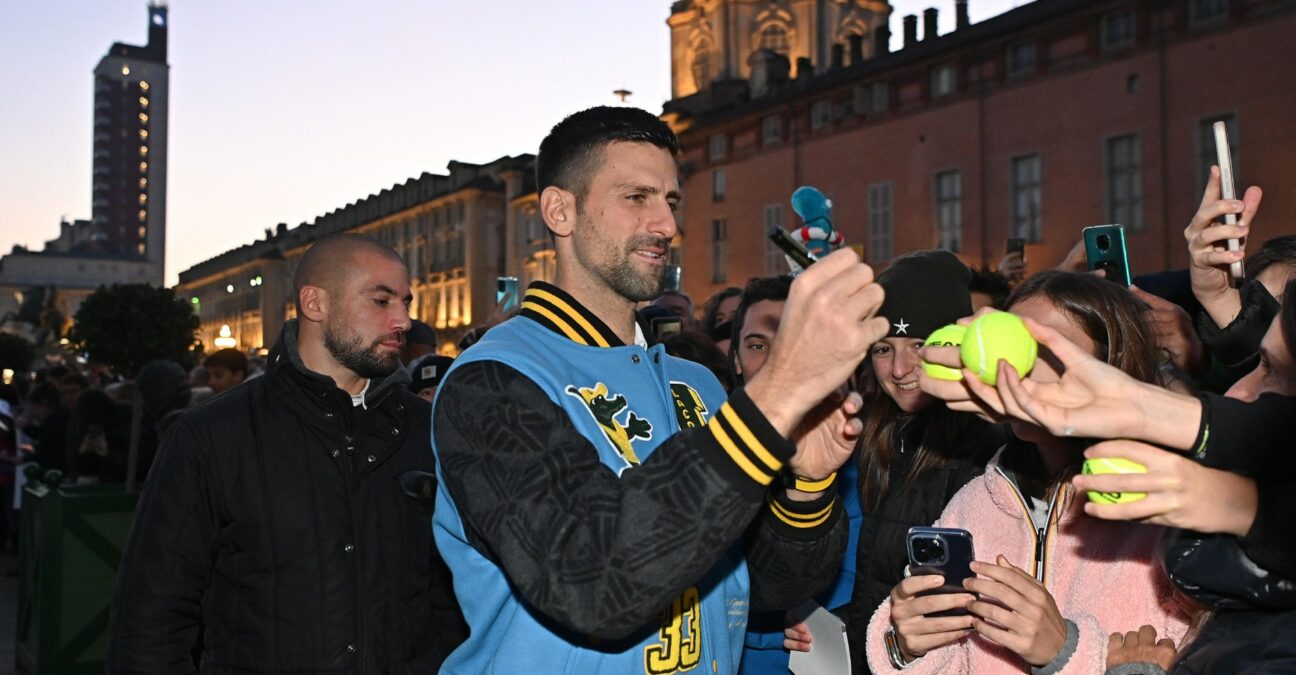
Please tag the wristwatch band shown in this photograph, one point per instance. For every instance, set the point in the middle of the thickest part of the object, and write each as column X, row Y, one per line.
column 810, row 485
column 898, row 660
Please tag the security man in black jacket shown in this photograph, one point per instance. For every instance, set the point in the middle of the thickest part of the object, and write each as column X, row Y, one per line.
column 288, row 520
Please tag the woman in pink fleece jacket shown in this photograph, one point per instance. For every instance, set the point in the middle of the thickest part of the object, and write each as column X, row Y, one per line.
column 1052, row 583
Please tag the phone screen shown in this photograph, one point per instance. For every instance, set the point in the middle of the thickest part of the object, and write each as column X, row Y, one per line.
column 506, row 293
column 666, row 326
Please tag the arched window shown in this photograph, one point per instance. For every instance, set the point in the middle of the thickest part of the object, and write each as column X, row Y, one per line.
column 774, row 37
column 701, row 66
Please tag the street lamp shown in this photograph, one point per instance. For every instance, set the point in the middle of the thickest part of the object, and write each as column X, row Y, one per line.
column 226, row 339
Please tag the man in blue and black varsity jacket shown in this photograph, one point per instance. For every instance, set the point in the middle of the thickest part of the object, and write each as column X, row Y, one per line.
column 602, row 506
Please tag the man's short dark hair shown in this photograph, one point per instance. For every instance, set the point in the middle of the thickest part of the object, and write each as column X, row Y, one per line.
column 759, row 289
column 324, row 261
column 230, row 359
column 1276, row 251
column 573, row 148
column 992, row 283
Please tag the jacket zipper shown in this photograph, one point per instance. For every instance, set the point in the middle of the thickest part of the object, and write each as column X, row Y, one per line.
column 1039, row 534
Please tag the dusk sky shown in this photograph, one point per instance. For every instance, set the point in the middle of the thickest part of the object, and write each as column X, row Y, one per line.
column 284, row 110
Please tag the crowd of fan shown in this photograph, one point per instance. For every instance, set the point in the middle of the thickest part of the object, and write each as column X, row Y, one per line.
column 1191, row 374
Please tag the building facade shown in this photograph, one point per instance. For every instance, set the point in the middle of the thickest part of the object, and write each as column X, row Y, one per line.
column 721, row 40
column 457, row 233
column 125, row 239
column 128, row 216
column 1054, row 116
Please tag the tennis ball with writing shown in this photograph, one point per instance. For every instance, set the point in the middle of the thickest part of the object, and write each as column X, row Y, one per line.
column 1112, row 465
column 995, row 336
column 946, row 336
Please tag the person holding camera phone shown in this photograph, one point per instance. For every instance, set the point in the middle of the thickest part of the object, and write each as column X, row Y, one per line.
column 1053, row 584
column 915, row 453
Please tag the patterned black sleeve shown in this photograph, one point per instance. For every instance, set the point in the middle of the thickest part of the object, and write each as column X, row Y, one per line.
column 794, row 549
column 598, row 553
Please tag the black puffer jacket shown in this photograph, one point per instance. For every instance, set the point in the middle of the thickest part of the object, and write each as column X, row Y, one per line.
column 295, row 529
column 881, row 557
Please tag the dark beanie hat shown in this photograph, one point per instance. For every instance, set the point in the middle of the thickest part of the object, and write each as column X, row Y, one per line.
column 164, row 386
column 427, row 372
column 924, row 291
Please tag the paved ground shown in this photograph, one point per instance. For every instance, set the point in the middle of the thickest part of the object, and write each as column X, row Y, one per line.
column 8, row 612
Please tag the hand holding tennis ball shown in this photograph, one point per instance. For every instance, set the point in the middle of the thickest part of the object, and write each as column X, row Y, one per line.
column 947, row 336
column 1113, row 465
column 998, row 336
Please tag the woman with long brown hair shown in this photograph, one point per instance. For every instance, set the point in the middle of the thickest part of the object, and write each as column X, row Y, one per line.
column 1051, row 584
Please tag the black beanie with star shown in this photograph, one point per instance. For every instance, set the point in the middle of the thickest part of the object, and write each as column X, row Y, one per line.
column 925, row 290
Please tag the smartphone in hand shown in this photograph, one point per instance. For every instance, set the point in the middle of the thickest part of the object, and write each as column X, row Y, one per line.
column 1015, row 245
column 943, row 551
column 506, row 293
column 1105, row 250
column 1228, row 190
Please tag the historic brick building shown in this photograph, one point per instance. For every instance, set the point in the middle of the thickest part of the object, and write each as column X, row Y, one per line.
column 1036, row 123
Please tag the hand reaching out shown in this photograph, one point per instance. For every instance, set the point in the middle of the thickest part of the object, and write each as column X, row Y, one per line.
column 1180, row 492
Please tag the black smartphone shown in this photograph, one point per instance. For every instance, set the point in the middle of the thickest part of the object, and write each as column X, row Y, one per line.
column 671, row 280
column 943, row 551
column 1105, row 250
column 791, row 247
column 1015, row 245
column 506, row 292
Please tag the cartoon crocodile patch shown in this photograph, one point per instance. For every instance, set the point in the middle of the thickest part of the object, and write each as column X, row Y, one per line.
column 605, row 409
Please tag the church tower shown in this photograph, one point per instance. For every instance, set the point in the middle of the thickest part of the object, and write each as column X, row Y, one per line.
column 714, row 40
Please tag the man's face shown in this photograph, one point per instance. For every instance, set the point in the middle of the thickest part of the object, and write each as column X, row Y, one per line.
column 366, row 322
column 220, row 378
column 1276, row 372
column 760, row 325
column 626, row 220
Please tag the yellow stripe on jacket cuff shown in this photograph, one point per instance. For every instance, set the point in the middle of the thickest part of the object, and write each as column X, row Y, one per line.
column 802, row 520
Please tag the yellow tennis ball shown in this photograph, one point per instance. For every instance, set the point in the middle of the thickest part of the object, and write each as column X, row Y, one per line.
column 995, row 336
column 945, row 336
column 1113, row 465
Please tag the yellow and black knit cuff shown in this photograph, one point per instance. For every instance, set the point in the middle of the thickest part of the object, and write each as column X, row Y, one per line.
column 749, row 441
column 800, row 520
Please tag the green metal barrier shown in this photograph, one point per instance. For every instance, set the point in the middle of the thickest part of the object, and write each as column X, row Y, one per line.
column 71, row 544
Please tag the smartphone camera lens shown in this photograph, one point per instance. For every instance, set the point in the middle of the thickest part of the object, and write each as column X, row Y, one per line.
column 1104, row 242
column 921, row 554
column 938, row 550
column 928, row 551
